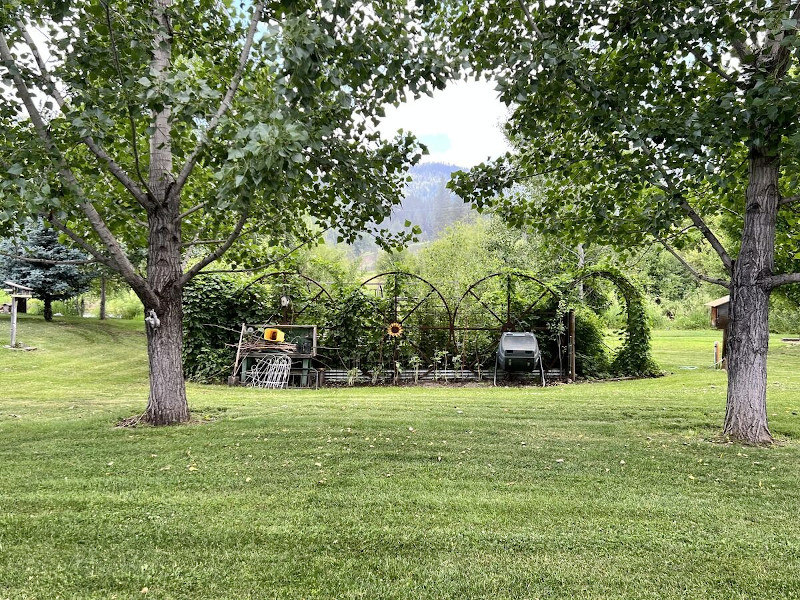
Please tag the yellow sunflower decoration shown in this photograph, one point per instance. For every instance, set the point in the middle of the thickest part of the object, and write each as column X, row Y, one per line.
column 395, row 330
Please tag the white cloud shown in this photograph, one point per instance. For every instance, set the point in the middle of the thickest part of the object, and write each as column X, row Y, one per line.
column 468, row 115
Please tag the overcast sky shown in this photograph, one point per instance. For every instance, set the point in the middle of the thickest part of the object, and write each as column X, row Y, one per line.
column 461, row 125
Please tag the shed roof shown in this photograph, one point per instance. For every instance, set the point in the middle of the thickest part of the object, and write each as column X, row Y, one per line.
column 719, row 301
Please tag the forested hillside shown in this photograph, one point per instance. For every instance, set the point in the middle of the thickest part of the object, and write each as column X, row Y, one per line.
column 428, row 203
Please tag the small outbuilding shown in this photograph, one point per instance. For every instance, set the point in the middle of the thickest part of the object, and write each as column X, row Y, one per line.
column 720, row 317
column 720, row 312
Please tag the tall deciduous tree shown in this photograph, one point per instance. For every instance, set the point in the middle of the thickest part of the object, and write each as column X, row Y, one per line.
column 646, row 118
column 169, row 126
column 37, row 259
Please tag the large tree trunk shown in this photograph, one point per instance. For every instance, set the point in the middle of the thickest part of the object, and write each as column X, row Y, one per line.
column 167, row 403
column 48, row 308
column 748, row 337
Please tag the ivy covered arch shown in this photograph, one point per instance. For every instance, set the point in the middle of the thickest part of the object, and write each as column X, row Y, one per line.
column 634, row 357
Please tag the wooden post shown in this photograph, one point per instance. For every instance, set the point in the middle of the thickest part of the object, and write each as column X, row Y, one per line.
column 725, row 348
column 232, row 380
column 13, row 321
column 573, row 371
column 102, row 297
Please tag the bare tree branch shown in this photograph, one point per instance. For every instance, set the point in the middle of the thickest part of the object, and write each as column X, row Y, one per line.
column 211, row 257
column 224, row 106
column 90, row 143
column 708, row 234
column 698, row 55
column 788, row 200
column 742, row 51
column 274, row 261
column 45, row 261
column 695, row 273
column 782, row 279
column 194, row 209
column 691, row 212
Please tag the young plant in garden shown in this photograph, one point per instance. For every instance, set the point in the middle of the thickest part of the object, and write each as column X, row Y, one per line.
column 352, row 376
column 156, row 134
column 457, row 365
column 645, row 121
column 415, row 361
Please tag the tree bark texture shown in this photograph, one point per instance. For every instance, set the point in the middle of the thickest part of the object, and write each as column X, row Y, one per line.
column 748, row 338
column 167, row 403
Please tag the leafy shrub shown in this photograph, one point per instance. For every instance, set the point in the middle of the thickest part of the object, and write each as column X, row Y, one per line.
column 35, row 306
column 123, row 305
column 693, row 317
column 784, row 316
column 214, row 308
column 591, row 356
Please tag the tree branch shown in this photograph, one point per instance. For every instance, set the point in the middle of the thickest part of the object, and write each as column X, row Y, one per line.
column 691, row 212
column 708, row 234
column 698, row 55
column 211, row 257
column 788, row 200
column 271, row 262
column 224, row 106
column 98, row 256
column 695, row 273
column 45, row 261
column 194, row 209
column 90, row 143
column 118, row 259
column 131, row 119
column 742, row 51
column 529, row 18
column 782, row 279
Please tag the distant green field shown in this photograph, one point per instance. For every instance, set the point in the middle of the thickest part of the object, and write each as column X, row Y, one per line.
column 609, row 490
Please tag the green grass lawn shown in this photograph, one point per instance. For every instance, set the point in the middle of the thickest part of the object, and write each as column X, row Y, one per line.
column 613, row 490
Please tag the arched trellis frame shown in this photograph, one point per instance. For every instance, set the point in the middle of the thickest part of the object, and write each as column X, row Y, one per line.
column 413, row 312
column 634, row 357
column 501, row 302
column 298, row 295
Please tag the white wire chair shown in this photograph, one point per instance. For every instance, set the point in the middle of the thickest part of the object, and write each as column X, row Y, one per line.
column 271, row 372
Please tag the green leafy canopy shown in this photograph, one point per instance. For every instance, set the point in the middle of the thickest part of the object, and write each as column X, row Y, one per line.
column 628, row 112
column 298, row 137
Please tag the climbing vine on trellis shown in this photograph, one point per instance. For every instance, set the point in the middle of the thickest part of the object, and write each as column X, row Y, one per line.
column 634, row 357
